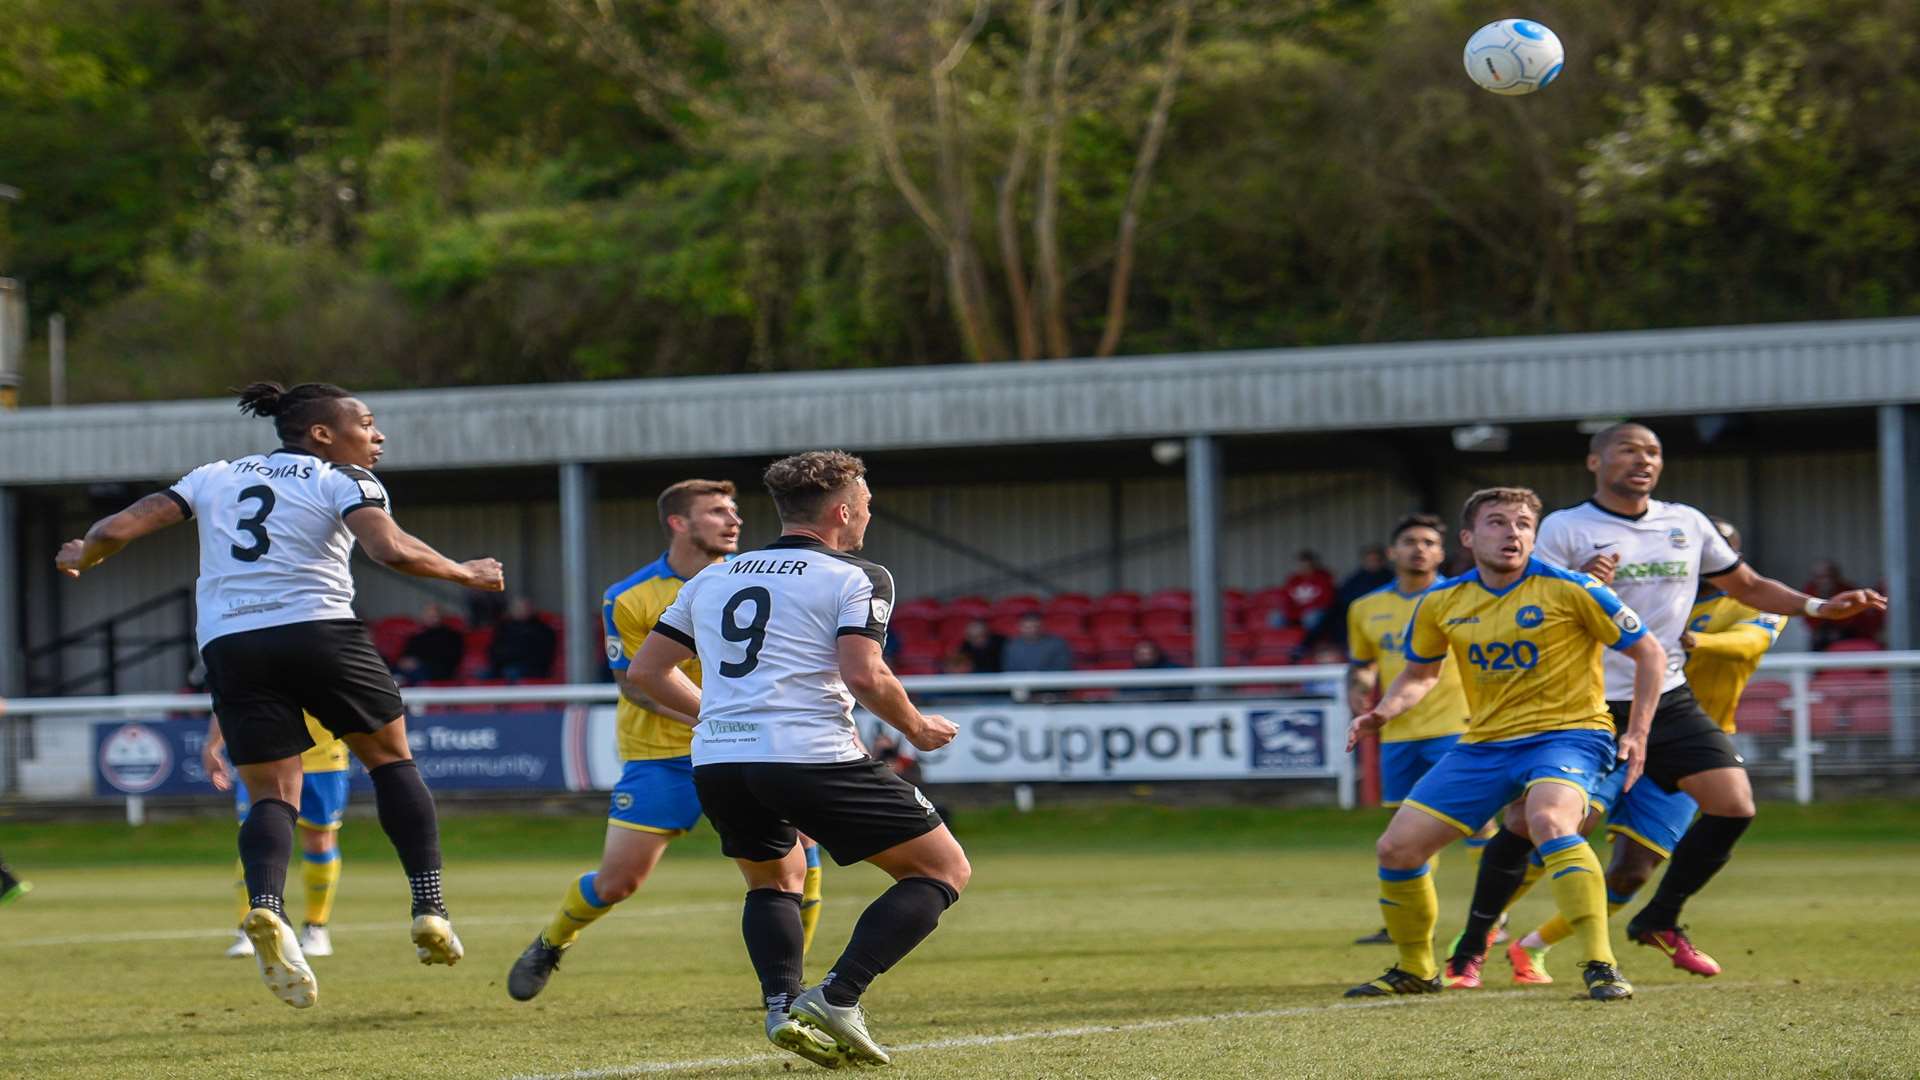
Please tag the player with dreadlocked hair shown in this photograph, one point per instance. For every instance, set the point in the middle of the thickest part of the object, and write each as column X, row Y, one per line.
column 279, row 639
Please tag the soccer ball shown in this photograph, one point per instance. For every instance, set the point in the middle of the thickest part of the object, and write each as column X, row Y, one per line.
column 1514, row 56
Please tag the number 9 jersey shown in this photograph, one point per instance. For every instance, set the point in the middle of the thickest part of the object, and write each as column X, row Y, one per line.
column 1529, row 654
column 274, row 544
column 767, row 628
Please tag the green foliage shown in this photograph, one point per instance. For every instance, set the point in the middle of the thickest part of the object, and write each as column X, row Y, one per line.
column 508, row 190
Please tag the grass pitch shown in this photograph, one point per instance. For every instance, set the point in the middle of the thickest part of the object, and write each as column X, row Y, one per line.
column 1118, row 942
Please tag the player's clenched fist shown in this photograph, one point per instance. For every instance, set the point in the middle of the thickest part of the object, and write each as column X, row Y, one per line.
column 487, row 575
column 1364, row 724
column 933, row 733
column 1602, row 567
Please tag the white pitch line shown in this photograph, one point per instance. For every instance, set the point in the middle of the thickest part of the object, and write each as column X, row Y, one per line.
column 653, row 1068
column 131, row 936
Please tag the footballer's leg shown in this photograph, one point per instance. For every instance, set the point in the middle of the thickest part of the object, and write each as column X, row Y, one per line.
column 1555, row 811
column 323, row 806
column 1695, row 757
column 628, row 858
column 408, row 817
column 653, row 802
column 266, row 847
column 770, row 923
column 1407, row 899
column 242, row 946
column 929, row 873
column 320, row 869
column 810, row 893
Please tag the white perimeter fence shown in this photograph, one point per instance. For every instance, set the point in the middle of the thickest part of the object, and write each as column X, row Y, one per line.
column 1807, row 715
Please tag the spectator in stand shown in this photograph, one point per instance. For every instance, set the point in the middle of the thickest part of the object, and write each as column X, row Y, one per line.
column 485, row 609
column 1033, row 649
column 523, row 644
column 433, row 653
column 1149, row 656
column 1827, row 581
column 1308, row 594
column 1373, row 573
column 982, row 646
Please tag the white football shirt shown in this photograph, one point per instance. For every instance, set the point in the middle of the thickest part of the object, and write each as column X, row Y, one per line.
column 1663, row 555
column 274, row 543
column 767, row 627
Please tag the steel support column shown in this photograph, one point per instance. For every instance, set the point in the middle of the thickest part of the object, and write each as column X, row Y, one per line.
column 1900, row 553
column 583, row 662
column 1203, row 539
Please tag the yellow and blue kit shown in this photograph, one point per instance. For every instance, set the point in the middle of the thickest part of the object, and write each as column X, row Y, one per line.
column 1729, row 638
column 1414, row 741
column 323, row 788
column 655, row 793
column 1529, row 660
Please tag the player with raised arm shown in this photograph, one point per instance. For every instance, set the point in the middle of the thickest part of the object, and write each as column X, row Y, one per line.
column 1655, row 555
column 789, row 638
column 1527, row 637
column 323, row 806
column 654, row 801
column 1725, row 640
column 1376, row 631
column 279, row 638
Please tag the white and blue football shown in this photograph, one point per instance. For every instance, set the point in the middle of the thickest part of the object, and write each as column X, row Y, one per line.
column 1514, row 56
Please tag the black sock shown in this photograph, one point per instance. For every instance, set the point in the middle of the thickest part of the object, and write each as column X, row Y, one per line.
column 892, row 925
column 775, row 943
column 1696, row 858
column 410, row 821
column 1503, row 866
column 266, row 846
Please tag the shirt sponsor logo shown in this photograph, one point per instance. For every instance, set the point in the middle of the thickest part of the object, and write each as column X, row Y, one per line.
column 1648, row 571
column 729, row 727
column 1529, row 617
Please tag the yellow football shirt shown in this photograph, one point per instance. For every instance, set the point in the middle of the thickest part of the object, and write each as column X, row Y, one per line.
column 1729, row 638
column 1376, row 634
column 329, row 754
column 1528, row 654
column 631, row 608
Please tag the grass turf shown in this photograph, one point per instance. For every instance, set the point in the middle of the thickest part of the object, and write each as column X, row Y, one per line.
column 1098, row 941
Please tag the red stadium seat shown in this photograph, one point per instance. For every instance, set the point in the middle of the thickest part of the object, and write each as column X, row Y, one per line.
column 1763, row 709
column 1017, row 605
column 1279, row 637
column 1268, row 656
column 1117, row 601
column 1168, row 599
column 1077, row 603
column 1067, row 624
column 975, row 607
column 920, row 608
column 926, row 648
column 1165, row 621
column 1083, row 647
column 1855, row 645
column 1172, row 642
column 1004, row 625
column 907, row 627
column 1852, row 703
column 391, row 633
column 915, row 665
column 1112, row 622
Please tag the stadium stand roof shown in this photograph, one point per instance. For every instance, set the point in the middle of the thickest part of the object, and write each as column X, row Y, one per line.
column 1648, row 373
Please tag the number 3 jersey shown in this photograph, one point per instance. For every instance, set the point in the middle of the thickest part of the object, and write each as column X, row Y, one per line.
column 274, row 543
column 767, row 628
column 1528, row 654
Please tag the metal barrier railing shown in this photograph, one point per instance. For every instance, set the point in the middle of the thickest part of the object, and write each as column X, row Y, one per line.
column 1842, row 712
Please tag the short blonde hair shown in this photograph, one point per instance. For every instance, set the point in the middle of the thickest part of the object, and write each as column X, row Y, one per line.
column 1517, row 496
